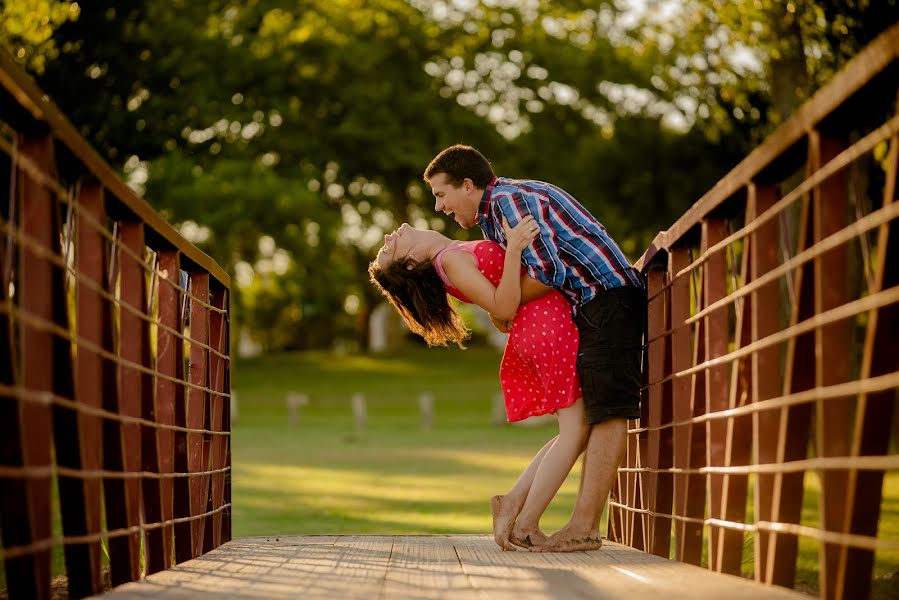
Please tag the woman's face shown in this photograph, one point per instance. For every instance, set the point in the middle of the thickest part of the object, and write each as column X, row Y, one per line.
column 406, row 242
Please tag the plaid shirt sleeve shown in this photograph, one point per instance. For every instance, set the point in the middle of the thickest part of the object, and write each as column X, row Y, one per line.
column 541, row 257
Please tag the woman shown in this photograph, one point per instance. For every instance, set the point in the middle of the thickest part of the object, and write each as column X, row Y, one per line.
column 416, row 269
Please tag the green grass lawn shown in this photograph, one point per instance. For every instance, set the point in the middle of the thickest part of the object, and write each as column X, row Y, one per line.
column 324, row 477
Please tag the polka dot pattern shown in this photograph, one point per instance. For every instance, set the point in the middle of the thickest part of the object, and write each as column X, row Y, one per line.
column 538, row 372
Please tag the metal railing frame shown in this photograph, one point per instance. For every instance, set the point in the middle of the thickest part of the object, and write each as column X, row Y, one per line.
column 774, row 304
column 114, row 367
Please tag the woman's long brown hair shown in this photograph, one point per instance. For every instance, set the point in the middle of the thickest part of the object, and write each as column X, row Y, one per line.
column 417, row 293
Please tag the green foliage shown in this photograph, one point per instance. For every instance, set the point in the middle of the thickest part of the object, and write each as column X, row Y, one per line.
column 26, row 29
column 750, row 63
column 295, row 133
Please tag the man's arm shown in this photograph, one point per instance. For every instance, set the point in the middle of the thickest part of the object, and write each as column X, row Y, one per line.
column 542, row 257
column 531, row 289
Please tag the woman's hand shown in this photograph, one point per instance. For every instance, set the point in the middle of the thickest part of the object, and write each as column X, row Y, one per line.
column 519, row 237
column 502, row 325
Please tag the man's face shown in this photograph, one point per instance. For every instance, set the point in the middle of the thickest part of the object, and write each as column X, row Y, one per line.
column 457, row 201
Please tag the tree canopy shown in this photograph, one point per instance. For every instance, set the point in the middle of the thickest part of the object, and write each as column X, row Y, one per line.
column 286, row 137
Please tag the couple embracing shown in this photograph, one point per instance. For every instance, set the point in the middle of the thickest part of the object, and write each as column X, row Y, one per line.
column 550, row 275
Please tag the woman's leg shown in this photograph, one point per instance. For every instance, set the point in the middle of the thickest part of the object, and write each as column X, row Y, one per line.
column 506, row 508
column 550, row 474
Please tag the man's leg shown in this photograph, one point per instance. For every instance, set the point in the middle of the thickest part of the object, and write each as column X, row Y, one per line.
column 605, row 451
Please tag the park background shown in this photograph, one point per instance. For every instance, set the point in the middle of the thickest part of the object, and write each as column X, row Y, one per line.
column 284, row 138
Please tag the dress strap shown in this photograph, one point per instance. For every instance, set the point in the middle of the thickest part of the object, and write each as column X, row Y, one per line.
column 438, row 258
column 438, row 264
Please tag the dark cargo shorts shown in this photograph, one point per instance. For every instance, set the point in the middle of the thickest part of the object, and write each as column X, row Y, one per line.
column 609, row 358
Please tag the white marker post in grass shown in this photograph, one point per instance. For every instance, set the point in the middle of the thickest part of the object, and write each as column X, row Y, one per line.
column 426, row 408
column 360, row 412
column 294, row 402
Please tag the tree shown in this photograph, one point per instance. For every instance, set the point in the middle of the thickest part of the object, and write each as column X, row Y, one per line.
column 287, row 137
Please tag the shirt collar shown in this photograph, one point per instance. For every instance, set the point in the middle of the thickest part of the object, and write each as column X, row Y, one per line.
column 484, row 206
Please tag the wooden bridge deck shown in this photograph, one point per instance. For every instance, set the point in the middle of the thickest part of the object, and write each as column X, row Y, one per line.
column 432, row 566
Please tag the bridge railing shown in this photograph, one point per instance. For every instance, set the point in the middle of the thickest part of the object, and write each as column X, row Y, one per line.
column 114, row 368
column 769, row 408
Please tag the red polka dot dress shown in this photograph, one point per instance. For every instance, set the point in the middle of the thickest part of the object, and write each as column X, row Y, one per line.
column 538, row 371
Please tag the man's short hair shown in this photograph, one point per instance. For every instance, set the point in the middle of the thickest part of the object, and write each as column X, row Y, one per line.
column 459, row 162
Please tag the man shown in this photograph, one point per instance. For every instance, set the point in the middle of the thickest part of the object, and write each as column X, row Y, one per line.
column 574, row 253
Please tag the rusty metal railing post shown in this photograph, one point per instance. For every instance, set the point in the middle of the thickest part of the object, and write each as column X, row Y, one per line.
column 94, row 397
column 775, row 352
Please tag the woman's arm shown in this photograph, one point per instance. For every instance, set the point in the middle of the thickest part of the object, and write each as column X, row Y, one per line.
column 502, row 300
column 531, row 289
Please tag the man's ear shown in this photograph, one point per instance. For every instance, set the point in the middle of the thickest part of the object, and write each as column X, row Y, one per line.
column 467, row 185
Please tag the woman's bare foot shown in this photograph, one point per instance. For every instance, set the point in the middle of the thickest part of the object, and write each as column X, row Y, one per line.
column 567, row 540
column 527, row 538
column 503, row 519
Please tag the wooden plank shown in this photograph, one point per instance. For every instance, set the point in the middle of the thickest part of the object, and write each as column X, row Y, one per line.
column 515, row 575
column 426, row 567
column 455, row 566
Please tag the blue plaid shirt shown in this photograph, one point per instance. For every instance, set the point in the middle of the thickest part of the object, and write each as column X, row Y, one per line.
column 573, row 251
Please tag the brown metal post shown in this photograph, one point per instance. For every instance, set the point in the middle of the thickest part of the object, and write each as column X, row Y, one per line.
column 30, row 516
column 689, row 489
column 793, row 426
column 169, row 365
column 738, row 448
column 151, row 489
column 123, row 497
column 197, row 402
column 831, row 350
column 726, row 546
column 182, row 485
column 93, row 324
column 218, row 368
column 874, row 413
column 699, row 439
column 766, row 378
column 226, row 421
column 656, row 486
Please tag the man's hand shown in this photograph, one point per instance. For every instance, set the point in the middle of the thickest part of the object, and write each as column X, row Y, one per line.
column 501, row 324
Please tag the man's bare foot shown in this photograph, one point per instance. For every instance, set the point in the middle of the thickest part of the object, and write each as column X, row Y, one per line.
column 569, row 541
column 527, row 538
column 503, row 519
